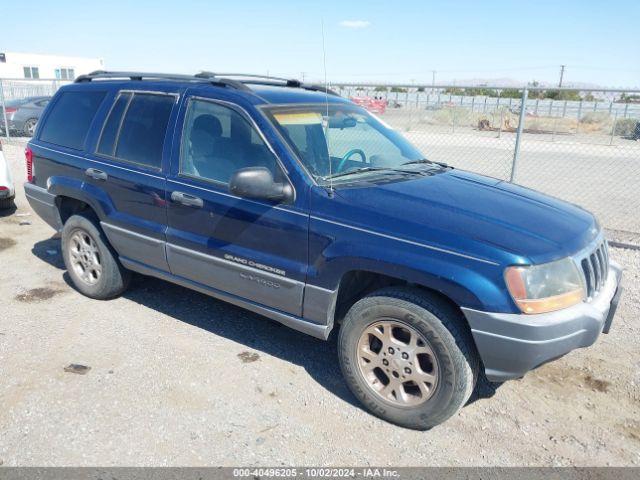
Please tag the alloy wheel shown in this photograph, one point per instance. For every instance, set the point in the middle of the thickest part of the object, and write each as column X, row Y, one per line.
column 397, row 363
column 85, row 257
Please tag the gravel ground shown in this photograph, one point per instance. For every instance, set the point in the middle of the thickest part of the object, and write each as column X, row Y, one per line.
column 178, row 378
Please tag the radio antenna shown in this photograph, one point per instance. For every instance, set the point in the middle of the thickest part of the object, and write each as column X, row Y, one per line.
column 326, row 103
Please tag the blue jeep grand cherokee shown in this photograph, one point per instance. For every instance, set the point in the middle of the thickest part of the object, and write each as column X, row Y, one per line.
column 296, row 204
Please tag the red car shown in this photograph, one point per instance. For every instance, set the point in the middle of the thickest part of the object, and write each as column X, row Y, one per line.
column 371, row 104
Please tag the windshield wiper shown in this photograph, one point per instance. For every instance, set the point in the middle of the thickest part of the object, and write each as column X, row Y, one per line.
column 424, row 160
column 371, row 169
column 357, row 170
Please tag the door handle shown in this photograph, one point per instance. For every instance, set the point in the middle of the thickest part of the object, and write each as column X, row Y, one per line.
column 186, row 199
column 96, row 174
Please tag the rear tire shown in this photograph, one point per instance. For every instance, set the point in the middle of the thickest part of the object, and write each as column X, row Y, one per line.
column 6, row 203
column 433, row 364
column 92, row 264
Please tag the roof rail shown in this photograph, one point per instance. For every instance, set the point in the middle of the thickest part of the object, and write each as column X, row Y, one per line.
column 251, row 79
column 219, row 79
column 103, row 74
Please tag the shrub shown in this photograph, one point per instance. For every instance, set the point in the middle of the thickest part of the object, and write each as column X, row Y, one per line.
column 593, row 118
column 625, row 127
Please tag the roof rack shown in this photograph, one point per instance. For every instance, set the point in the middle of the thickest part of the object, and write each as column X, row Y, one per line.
column 220, row 79
column 251, row 79
column 103, row 74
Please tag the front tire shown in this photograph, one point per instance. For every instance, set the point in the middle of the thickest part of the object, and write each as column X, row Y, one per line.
column 91, row 262
column 408, row 356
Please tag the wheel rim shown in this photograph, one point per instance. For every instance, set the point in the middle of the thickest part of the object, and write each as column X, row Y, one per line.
column 85, row 257
column 397, row 363
column 31, row 127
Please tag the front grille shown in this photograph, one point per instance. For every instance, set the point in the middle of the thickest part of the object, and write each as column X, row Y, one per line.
column 595, row 267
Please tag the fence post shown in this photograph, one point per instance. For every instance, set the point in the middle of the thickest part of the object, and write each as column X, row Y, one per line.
column 4, row 111
column 516, row 150
column 613, row 127
column 579, row 116
column 453, row 119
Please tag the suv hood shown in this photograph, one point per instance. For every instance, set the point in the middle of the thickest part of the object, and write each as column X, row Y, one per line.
column 469, row 212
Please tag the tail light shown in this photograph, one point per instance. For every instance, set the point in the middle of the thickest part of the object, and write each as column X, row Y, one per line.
column 10, row 111
column 28, row 156
column 2, row 187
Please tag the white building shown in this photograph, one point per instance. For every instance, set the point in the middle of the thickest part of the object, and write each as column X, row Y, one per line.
column 33, row 66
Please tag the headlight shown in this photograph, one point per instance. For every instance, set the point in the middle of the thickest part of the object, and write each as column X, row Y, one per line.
column 547, row 287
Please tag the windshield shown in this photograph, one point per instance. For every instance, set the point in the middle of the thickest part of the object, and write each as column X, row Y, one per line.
column 348, row 144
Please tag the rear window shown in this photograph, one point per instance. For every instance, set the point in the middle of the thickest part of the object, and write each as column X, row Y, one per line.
column 68, row 122
column 139, row 136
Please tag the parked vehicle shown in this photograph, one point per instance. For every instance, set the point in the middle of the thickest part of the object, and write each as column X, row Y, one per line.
column 373, row 105
column 299, row 205
column 23, row 114
column 7, row 189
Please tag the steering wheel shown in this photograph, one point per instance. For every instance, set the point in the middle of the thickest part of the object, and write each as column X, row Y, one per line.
column 350, row 154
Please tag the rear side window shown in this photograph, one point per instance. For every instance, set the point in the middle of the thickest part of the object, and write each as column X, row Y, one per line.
column 136, row 128
column 111, row 127
column 68, row 122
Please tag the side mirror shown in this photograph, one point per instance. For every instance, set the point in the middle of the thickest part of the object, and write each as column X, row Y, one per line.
column 258, row 183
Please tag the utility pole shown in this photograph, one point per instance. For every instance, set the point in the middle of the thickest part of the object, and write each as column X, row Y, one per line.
column 302, row 74
column 561, row 75
column 433, row 78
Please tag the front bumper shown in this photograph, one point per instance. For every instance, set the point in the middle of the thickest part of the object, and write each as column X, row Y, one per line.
column 512, row 344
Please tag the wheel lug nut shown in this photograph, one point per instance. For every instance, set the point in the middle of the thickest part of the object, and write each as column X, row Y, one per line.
column 391, row 350
column 405, row 355
column 385, row 362
column 407, row 370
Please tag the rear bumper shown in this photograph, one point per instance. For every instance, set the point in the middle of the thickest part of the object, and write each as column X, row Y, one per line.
column 512, row 344
column 44, row 204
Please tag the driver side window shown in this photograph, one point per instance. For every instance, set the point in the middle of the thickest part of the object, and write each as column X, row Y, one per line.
column 217, row 141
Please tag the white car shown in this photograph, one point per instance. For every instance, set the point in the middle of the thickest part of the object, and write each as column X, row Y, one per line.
column 7, row 190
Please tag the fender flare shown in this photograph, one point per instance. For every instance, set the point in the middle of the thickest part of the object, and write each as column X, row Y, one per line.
column 93, row 196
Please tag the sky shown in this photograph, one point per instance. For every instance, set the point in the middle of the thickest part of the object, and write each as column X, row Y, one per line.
column 365, row 41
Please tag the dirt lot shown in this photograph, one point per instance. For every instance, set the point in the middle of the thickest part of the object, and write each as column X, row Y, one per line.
column 178, row 378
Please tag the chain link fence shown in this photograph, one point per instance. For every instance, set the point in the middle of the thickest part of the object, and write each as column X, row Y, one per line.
column 581, row 146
